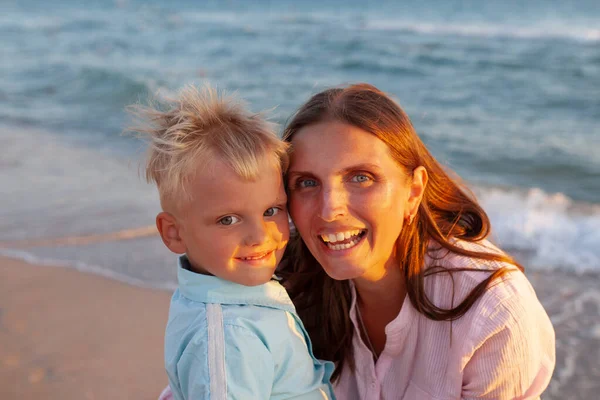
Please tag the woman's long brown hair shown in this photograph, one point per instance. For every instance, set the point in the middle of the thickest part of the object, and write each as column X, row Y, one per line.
column 447, row 211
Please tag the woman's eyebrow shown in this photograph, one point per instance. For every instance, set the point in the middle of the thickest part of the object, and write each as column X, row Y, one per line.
column 343, row 171
column 361, row 167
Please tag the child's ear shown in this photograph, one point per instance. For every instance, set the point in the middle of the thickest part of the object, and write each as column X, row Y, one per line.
column 169, row 232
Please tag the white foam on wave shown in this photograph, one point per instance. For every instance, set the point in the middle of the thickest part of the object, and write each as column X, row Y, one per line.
column 542, row 31
column 564, row 28
column 554, row 231
column 30, row 21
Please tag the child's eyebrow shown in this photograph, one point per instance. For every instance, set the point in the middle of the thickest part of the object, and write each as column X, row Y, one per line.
column 281, row 200
column 294, row 174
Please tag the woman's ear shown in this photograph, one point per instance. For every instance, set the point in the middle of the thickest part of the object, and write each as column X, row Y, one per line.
column 169, row 231
column 417, row 189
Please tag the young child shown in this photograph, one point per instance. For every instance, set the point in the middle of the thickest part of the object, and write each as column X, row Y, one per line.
column 233, row 332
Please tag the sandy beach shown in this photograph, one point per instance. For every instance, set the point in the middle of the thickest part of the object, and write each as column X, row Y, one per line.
column 68, row 335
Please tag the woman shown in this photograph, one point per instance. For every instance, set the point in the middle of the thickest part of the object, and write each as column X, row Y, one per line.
column 391, row 272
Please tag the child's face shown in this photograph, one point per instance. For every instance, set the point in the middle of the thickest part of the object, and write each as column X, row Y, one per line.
column 236, row 229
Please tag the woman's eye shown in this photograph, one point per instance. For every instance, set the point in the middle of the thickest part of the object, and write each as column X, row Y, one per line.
column 361, row 178
column 229, row 220
column 271, row 211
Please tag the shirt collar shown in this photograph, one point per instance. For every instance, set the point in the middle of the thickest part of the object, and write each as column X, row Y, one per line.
column 211, row 289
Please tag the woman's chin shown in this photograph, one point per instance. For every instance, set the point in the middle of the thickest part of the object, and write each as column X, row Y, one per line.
column 343, row 272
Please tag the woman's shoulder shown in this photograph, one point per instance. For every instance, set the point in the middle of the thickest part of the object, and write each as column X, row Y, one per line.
column 438, row 255
column 511, row 290
column 508, row 306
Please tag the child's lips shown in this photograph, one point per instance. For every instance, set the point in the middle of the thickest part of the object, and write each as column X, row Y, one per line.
column 256, row 256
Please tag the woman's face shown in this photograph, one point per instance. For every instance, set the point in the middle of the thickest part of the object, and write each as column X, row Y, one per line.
column 348, row 198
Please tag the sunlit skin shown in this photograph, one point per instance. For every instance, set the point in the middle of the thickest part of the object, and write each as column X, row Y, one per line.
column 233, row 228
column 342, row 179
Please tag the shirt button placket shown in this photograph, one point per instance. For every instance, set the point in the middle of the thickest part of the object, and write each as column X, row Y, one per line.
column 373, row 392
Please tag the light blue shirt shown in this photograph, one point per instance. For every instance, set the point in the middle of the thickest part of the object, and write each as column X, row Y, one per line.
column 229, row 341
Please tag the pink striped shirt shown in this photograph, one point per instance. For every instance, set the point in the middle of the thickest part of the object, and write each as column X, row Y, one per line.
column 502, row 348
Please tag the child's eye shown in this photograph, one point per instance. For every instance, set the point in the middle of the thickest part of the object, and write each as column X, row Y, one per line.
column 361, row 178
column 306, row 183
column 229, row 220
column 271, row 211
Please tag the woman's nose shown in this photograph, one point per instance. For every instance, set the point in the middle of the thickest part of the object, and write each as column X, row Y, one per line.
column 333, row 204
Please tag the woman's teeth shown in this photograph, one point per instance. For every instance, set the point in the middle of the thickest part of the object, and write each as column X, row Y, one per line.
column 340, row 236
column 342, row 240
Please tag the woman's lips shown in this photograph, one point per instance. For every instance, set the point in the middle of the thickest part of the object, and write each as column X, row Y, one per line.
column 340, row 241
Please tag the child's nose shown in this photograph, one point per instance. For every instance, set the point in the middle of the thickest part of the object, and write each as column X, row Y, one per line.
column 257, row 234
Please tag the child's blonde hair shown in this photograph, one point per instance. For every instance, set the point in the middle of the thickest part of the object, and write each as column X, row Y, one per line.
column 185, row 133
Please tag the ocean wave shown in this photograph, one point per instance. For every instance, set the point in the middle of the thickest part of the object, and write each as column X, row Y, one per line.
column 231, row 18
column 552, row 230
column 303, row 19
column 66, row 91
column 30, row 22
column 113, row 83
column 586, row 34
column 377, row 66
column 74, row 20
column 216, row 17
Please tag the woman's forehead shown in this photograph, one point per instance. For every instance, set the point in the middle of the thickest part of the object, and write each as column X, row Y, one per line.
column 337, row 148
column 336, row 140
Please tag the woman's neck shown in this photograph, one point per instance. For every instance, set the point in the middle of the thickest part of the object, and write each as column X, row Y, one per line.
column 379, row 302
column 387, row 290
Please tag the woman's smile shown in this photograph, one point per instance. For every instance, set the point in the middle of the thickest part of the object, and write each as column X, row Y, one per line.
column 343, row 240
